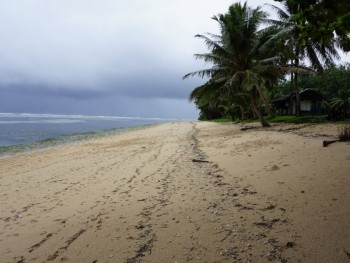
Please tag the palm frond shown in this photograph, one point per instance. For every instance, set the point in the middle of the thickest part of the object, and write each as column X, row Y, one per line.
column 211, row 43
column 282, row 15
column 202, row 73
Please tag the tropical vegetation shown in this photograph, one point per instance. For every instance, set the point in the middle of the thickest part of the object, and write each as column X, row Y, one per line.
column 254, row 58
column 334, row 84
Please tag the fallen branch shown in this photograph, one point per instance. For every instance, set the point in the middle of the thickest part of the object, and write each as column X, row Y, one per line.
column 326, row 143
column 247, row 128
column 199, row 161
column 229, row 233
column 343, row 135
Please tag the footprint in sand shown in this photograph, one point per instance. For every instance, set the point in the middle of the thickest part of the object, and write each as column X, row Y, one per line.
column 274, row 168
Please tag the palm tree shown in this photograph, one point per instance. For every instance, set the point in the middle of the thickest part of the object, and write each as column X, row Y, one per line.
column 241, row 63
column 212, row 96
column 341, row 106
column 298, row 47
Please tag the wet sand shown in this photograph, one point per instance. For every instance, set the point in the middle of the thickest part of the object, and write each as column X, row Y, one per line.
column 181, row 192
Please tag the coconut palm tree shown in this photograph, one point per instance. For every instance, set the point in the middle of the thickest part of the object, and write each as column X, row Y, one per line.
column 241, row 63
column 299, row 47
column 327, row 20
column 212, row 96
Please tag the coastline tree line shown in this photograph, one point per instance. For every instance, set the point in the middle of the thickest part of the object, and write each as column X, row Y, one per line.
column 255, row 59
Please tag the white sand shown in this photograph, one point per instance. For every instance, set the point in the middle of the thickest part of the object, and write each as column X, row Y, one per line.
column 264, row 195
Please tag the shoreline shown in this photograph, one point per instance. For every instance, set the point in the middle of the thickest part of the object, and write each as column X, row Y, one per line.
column 258, row 195
column 22, row 131
column 62, row 140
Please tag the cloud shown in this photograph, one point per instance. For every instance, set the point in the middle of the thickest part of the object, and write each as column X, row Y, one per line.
column 94, row 49
column 81, row 44
column 96, row 105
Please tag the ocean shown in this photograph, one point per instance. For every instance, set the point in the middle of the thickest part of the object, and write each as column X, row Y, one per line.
column 23, row 131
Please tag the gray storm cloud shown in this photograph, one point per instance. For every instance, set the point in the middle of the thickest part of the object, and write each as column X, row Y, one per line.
column 90, row 49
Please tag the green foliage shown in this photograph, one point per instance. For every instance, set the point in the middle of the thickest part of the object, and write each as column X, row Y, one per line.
column 324, row 21
column 243, row 63
column 334, row 84
column 248, row 62
column 289, row 119
column 224, row 119
column 292, row 30
column 209, row 113
column 297, row 120
column 284, row 87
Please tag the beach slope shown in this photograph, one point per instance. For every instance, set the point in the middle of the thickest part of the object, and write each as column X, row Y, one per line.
column 180, row 192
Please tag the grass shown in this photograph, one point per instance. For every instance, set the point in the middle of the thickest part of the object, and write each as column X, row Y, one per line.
column 297, row 120
column 344, row 122
column 285, row 119
column 282, row 119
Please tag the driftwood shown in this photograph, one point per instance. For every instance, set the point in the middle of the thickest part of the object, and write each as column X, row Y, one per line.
column 326, row 143
column 247, row 128
column 343, row 135
column 199, row 161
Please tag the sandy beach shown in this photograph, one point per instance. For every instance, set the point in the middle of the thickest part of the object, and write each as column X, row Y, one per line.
column 181, row 192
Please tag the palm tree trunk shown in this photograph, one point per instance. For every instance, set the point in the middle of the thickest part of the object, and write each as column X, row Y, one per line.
column 347, row 104
column 255, row 109
column 296, row 87
column 297, row 96
column 266, row 102
column 290, row 108
column 242, row 113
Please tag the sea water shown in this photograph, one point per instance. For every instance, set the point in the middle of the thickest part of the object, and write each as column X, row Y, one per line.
column 22, row 131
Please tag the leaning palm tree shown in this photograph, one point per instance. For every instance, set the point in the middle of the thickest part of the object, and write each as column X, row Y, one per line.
column 298, row 47
column 241, row 64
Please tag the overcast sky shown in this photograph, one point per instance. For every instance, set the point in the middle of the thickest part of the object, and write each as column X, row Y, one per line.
column 103, row 57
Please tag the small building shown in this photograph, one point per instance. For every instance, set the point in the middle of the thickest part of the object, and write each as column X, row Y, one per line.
column 310, row 103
